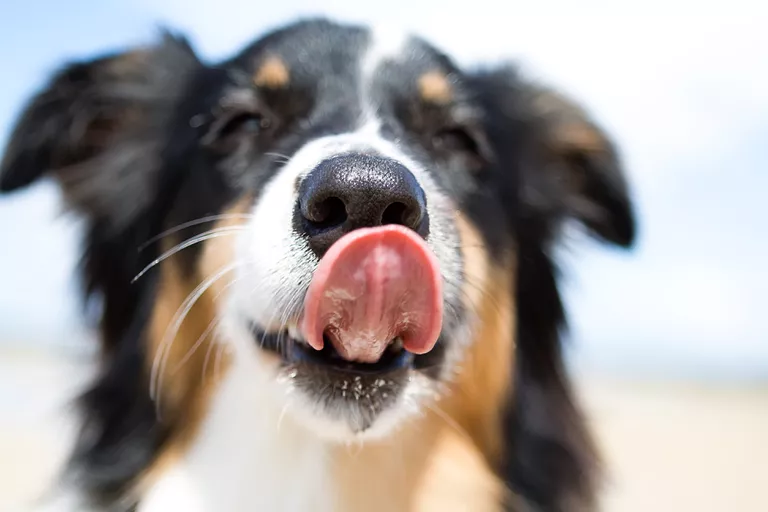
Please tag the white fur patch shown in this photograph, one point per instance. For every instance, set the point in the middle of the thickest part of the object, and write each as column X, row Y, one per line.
column 270, row 287
column 68, row 500
column 265, row 444
column 248, row 456
column 386, row 43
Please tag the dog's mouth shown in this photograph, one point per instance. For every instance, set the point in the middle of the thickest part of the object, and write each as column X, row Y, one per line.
column 372, row 316
column 296, row 352
column 374, row 302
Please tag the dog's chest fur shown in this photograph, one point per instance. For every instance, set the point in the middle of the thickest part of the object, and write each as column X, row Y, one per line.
column 246, row 456
column 249, row 455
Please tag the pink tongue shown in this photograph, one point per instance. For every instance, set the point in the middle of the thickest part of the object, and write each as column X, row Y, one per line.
column 373, row 285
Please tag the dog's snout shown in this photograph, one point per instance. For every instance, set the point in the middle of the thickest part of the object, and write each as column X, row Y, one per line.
column 347, row 192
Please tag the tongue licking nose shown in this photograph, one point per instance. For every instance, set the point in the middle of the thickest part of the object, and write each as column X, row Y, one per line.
column 372, row 286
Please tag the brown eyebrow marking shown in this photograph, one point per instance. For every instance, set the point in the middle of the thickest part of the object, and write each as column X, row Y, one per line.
column 273, row 73
column 434, row 87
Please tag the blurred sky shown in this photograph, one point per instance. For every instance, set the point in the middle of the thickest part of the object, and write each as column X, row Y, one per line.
column 682, row 86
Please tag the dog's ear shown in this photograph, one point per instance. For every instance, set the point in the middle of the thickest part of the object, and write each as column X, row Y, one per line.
column 582, row 166
column 569, row 167
column 553, row 163
column 97, row 128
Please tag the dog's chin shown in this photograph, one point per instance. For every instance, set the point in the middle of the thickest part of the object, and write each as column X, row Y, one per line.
column 349, row 420
column 343, row 401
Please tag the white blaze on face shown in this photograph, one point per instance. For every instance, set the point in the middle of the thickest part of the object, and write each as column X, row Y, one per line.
column 278, row 262
column 387, row 44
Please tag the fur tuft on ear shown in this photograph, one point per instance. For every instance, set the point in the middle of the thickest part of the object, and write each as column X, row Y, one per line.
column 582, row 166
column 570, row 168
column 100, row 128
column 97, row 128
column 554, row 164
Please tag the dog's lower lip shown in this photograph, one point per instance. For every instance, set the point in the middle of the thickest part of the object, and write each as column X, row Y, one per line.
column 295, row 351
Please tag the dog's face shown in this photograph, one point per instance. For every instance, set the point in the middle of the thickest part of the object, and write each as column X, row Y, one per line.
column 365, row 202
column 361, row 148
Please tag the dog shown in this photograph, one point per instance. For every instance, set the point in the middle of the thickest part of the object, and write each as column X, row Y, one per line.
column 323, row 274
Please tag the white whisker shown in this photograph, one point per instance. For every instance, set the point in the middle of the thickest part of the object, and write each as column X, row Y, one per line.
column 234, row 281
column 212, row 325
column 218, row 320
column 279, row 157
column 214, row 233
column 266, row 327
column 208, row 353
column 217, row 363
column 163, row 351
column 287, row 313
column 450, row 421
column 282, row 415
column 195, row 222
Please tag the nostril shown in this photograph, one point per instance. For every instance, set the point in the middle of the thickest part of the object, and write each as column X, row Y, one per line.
column 353, row 191
column 394, row 214
column 402, row 214
column 327, row 213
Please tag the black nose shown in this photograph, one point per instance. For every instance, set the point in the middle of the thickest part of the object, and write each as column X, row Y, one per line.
column 355, row 191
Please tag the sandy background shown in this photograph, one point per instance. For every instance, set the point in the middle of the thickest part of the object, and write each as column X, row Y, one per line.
column 670, row 446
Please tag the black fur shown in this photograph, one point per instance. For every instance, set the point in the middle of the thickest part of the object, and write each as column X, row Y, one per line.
column 551, row 461
column 138, row 142
column 109, row 130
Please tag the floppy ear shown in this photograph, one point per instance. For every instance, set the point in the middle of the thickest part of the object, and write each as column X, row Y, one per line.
column 568, row 166
column 581, row 168
column 552, row 164
column 96, row 127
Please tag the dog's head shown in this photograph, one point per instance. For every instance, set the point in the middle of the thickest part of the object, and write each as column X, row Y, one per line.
column 359, row 224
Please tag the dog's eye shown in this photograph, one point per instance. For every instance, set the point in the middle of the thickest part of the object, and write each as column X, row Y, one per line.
column 455, row 139
column 244, row 122
column 231, row 128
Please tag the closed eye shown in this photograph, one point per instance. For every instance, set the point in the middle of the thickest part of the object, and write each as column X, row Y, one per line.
column 231, row 127
column 455, row 139
column 244, row 122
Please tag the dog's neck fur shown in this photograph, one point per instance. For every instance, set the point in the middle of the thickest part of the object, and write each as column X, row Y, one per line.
column 245, row 457
column 247, row 451
column 250, row 455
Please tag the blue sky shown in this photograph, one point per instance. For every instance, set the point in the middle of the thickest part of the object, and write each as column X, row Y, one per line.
column 686, row 96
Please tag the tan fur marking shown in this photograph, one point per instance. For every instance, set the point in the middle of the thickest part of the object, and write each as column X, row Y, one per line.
column 443, row 461
column 485, row 380
column 581, row 137
column 428, row 466
column 434, row 87
column 190, row 377
column 128, row 63
column 273, row 73
column 570, row 127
